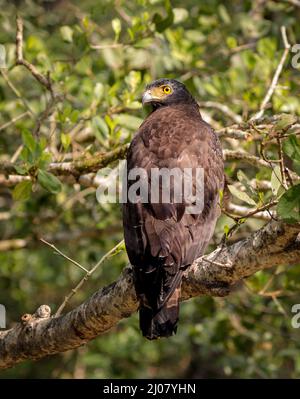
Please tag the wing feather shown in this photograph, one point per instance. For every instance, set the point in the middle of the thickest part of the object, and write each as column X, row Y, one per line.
column 161, row 239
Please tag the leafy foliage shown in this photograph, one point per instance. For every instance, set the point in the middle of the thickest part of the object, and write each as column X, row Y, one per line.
column 100, row 56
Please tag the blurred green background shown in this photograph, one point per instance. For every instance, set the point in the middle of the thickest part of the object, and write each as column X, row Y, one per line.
column 100, row 55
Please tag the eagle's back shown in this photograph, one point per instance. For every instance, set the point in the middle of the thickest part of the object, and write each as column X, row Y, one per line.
column 162, row 239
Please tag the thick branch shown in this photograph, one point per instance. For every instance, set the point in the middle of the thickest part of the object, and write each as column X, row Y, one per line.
column 96, row 162
column 78, row 168
column 75, row 168
column 37, row 336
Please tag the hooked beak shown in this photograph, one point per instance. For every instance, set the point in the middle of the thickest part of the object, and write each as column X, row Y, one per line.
column 147, row 97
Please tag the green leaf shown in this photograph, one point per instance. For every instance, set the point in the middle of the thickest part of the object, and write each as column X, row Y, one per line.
column 22, row 190
column 110, row 122
column 43, row 143
column 21, row 170
column 276, row 180
column 44, row 159
column 100, row 129
column 242, row 196
column 49, row 182
column 285, row 121
column 98, row 91
column 28, row 140
column 180, row 15
column 266, row 47
column 221, row 195
column 66, row 33
column 65, row 140
column 74, row 115
column 226, row 230
column 24, row 154
column 296, row 167
column 117, row 27
column 225, row 16
column 128, row 121
column 288, row 207
column 118, row 248
column 161, row 23
column 231, row 42
column 291, row 147
column 245, row 182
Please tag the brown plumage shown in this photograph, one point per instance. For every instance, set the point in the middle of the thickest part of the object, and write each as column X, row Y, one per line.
column 161, row 239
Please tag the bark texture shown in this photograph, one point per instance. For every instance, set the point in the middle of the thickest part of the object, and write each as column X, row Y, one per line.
column 40, row 334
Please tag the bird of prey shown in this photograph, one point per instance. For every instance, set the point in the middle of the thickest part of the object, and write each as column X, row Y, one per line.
column 161, row 238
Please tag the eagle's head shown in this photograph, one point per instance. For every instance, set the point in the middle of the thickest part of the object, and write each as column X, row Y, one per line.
column 164, row 92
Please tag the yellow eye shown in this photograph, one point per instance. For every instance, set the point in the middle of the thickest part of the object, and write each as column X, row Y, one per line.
column 167, row 89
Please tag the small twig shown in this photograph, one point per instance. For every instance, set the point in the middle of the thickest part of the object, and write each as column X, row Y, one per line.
column 233, row 132
column 276, row 76
column 251, row 213
column 16, row 243
column 241, row 211
column 78, row 197
column 19, row 39
column 45, row 81
column 70, row 295
column 48, row 111
column 16, row 91
column 280, row 307
column 240, row 155
column 16, row 153
column 266, row 286
column 106, row 46
column 293, row 2
column 86, row 277
column 63, row 255
column 288, row 176
column 243, row 47
column 223, row 108
column 12, row 180
column 14, row 120
column 281, row 163
column 107, row 255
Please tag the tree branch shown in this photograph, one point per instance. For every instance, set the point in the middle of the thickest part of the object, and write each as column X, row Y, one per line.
column 79, row 169
column 43, row 80
column 75, row 168
column 221, row 107
column 39, row 335
column 276, row 76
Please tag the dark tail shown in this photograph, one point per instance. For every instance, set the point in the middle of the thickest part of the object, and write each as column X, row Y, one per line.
column 161, row 322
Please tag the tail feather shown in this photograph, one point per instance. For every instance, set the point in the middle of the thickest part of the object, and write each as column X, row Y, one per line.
column 161, row 322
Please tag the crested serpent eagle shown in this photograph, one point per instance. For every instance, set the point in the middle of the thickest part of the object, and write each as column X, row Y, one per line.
column 162, row 239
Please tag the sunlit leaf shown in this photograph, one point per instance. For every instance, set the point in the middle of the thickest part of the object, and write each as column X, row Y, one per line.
column 66, row 33
column 117, row 27
column 285, row 121
column 28, row 140
column 276, row 179
column 49, row 182
column 288, row 207
column 22, row 190
column 242, row 196
column 65, row 140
